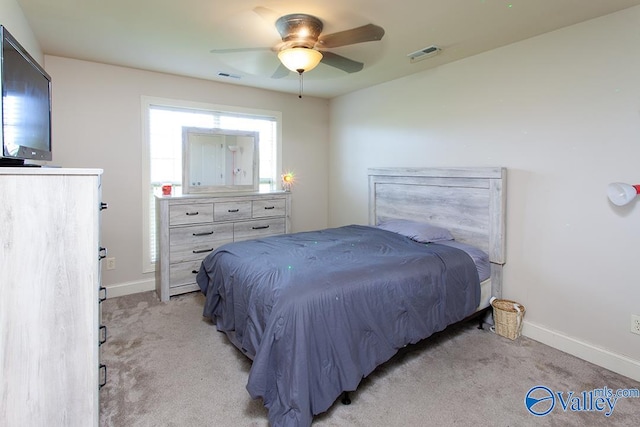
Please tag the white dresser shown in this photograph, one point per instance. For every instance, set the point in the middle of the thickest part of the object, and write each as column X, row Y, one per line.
column 49, row 291
column 191, row 227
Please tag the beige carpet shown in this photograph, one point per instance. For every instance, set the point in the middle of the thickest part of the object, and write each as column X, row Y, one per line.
column 167, row 366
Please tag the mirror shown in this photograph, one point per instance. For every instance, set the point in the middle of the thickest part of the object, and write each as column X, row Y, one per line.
column 216, row 160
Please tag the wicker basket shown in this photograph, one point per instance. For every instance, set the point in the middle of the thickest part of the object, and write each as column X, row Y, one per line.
column 507, row 316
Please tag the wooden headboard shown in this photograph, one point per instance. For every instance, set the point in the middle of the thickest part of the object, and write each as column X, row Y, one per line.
column 470, row 202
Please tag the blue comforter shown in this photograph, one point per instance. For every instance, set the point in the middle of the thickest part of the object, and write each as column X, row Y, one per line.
column 318, row 311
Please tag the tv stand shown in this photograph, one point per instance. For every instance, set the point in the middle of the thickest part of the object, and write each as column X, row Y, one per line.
column 16, row 163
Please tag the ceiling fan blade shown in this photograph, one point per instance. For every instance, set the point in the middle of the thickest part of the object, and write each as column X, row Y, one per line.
column 366, row 33
column 340, row 62
column 280, row 72
column 242, row 49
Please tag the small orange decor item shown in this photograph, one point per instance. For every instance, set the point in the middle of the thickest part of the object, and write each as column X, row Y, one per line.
column 166, row 190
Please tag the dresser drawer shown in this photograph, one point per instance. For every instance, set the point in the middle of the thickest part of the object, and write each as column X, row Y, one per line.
column 256, row 229
column 232, row 211
column 268, row 208
column 196, row 213
column 183, row 273
column 199, row 235
column 182, row 253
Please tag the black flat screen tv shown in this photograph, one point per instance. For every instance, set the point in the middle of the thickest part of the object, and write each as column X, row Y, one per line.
column 26, row 105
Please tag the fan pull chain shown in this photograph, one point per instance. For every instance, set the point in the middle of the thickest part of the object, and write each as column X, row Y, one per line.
column 300, row 71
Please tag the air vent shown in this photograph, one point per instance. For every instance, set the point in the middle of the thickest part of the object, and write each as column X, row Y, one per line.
column 228, row 75
column 424, row 53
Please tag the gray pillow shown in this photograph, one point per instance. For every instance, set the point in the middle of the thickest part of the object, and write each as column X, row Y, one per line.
column 419, row 231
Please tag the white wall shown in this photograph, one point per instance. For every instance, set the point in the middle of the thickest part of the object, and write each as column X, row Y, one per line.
column 562, row 113
column 97, row 123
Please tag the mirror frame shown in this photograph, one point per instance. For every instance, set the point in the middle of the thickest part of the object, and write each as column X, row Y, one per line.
column 187, row 188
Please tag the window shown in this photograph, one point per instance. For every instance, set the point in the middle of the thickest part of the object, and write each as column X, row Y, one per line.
column 163, row 120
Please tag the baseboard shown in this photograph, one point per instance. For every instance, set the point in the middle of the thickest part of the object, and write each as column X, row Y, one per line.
column 129, row 288
column 618, row 363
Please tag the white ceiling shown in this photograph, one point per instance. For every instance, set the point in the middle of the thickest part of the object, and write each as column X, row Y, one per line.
column 177, row 36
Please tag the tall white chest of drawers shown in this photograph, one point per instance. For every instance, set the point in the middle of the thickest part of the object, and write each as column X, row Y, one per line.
column 191, row 227
column 49, row 292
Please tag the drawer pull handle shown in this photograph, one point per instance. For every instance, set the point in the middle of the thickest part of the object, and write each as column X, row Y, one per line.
column 269, row 207
column 104, row 296
column 201, row 251
column 192, row 213
column 194, row 271
column 261, row 227
column 206, row 233
column 103, row 335
column 233, row 210
column 103, row 375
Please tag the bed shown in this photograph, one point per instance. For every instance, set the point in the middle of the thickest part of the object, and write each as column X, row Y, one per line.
column 318, row 311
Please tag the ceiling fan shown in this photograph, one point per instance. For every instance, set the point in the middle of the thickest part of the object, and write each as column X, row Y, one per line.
column 303, row 45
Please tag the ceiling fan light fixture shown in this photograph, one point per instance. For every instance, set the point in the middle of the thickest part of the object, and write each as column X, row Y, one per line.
column 300, row 59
